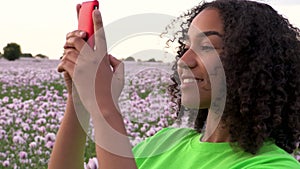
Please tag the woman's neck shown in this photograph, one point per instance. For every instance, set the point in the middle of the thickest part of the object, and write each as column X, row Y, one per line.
column 215, row 130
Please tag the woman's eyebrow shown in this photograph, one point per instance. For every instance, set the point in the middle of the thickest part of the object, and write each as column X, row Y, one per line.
column 208, row 33
column 202, row 35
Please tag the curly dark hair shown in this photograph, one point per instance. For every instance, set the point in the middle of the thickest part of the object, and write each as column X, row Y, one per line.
column 262, row 67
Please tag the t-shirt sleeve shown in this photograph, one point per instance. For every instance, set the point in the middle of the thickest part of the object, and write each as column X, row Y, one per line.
column 279, row 163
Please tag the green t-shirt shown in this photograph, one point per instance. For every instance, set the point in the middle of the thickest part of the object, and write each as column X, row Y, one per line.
column 180, row 148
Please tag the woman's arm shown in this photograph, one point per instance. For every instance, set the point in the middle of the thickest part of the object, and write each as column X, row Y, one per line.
column 99, row 79
column 69, row 148
column 112, row 143
column 113, row 149
column 68, row 151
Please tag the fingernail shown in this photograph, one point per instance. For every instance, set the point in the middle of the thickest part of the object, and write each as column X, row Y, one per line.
column 82, row 34
column 97, row 12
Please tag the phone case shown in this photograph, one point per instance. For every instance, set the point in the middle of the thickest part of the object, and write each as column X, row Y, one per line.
column 85, row 19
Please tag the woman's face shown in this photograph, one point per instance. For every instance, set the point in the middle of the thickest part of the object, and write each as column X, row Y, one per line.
column 198, row 65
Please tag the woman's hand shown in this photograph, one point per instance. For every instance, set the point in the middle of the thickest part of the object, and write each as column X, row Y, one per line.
column 98, row 79
column 67, row 77
column 69, row 59
column 96, row 76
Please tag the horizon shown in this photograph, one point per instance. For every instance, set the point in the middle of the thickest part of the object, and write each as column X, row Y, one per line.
column 39, row 27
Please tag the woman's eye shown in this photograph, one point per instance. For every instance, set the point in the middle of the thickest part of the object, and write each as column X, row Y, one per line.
column 207, row 48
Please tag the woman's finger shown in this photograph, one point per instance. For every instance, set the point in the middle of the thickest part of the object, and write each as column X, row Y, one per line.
column 100, row 41
column 71, row 55
column 78, row 6
column 118, row 68
column 73, row 34
column 76, row 33
column 75, row 43
column 66, row 66
column 118, row 77
column 115, row 63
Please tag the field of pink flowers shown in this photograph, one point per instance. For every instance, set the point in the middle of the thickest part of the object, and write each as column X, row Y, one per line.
column 32, row 103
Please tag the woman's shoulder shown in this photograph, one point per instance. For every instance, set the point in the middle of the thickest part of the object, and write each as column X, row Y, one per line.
column 171, row 131
column 270, row 156
column 272, row 152
column 163, row 140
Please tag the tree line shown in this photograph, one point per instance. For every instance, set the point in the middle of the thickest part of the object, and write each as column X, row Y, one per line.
column 130, row 58
column 12, row 51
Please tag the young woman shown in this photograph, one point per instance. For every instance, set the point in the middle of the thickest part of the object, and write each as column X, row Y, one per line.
column 237, row 69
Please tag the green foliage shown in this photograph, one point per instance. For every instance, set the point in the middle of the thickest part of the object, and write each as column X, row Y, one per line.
column 151, row 60
column 130, row 59
column 42, row 56
column 90, row 150
column 27, row 55
column 12, row 51
column 144, row 94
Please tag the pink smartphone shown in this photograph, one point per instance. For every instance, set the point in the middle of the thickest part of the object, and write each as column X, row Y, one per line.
column 85, row 19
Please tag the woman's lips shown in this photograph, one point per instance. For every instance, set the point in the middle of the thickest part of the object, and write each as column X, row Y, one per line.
column 190, row 82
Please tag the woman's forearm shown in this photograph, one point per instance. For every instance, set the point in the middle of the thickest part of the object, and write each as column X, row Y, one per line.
column 112, row 143
column 68, row 151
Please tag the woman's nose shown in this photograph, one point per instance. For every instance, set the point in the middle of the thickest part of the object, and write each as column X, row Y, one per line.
column 188, row 60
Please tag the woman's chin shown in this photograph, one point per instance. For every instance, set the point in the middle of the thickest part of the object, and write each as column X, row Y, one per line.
column 191, row 103
column 190, row 106
column 194, row 103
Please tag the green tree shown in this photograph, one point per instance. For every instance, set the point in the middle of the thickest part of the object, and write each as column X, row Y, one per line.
column 26, row 55
column 12, row 51
column 130, row 59
column 151, row 60
column 41, row 56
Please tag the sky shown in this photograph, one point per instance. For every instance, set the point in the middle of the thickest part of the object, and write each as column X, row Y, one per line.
column 40, row 26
